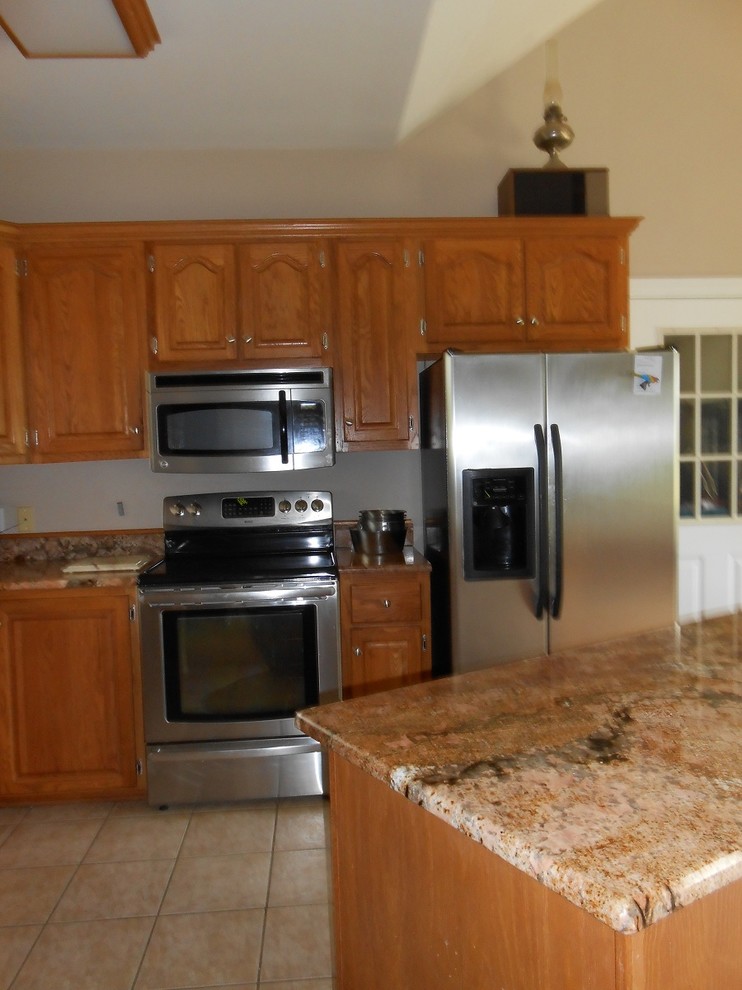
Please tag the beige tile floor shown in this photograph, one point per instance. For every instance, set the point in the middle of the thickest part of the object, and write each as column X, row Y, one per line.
column 119, row 896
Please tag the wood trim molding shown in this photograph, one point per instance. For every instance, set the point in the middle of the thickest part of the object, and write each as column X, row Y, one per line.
column 138, row 24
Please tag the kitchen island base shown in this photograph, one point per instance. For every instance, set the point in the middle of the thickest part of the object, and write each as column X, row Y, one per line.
column 419, row 906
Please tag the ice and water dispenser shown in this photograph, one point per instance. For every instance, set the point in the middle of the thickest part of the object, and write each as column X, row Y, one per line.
column 499, row 523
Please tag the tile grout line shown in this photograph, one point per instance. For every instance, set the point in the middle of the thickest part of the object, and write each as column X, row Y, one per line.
column 267, row 898
column 162, row 901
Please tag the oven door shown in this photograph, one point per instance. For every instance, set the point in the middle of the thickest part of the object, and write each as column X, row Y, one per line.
column 237, row 663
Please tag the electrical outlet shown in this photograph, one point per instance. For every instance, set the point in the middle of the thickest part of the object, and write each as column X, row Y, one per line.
column 25, row 519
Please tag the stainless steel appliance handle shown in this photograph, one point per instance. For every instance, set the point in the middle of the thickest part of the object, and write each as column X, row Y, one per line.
column 556, row 443
column 283, row 426
column 542, row 564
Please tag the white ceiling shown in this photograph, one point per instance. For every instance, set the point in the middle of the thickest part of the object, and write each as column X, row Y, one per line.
column 274, row 74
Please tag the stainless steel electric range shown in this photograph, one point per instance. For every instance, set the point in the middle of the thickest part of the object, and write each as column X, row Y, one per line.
column 239, row 629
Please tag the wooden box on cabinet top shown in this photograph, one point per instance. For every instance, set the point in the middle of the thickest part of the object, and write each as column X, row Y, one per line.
column 385, row 628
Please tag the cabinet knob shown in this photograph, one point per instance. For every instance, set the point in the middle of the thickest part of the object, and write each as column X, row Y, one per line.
column 358, row 652
column 349, row 422
column 387, row 603
column 519, row 321
column 231, row 340
column 534, row 321
column 247, row 340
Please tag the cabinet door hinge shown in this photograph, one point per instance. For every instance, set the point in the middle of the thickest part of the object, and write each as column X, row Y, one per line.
column 425, row 643
column 139, row 768
column 412, row 425
column 132, row 613
column 622, row 256
column 153, row 344
column 406, row 258
column 421, row 257
column 623, row 323
column 325, row 341
column 322, row 260
column 150, row 262
column 21, row 267
column 423, row 328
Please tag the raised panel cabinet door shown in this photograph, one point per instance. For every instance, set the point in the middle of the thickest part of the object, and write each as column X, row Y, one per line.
column 577, row 290
column 12, row 392
column 376, row 299
column 382, row 657
column 84, row 310
column 474, row 292
column 284, row 300
column 66, row 695
column 195, row 303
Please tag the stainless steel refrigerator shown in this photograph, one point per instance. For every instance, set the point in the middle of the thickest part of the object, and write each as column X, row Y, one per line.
column 549, row 500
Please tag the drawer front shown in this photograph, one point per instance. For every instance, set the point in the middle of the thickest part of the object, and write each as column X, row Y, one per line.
column 385, row 601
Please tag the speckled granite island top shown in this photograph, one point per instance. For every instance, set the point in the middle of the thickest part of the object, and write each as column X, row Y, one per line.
column 611, row 774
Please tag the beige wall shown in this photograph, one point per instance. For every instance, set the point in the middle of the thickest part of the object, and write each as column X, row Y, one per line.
column 651, row 89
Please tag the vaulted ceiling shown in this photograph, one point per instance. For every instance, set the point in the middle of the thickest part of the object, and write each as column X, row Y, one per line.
column 270, row 74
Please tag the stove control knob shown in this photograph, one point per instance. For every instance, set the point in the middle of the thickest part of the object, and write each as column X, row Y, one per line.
column 317, row 505
column 301, row 505
column 193, row 509
column 284, row 505
column 177, row 509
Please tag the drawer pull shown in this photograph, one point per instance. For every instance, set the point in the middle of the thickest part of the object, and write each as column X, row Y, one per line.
column 387, row 603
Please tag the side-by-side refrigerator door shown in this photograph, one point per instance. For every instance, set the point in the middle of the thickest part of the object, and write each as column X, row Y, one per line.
column 611, row 428
column 495, row 410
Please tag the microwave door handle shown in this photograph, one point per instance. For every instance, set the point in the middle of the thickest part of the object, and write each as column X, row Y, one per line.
column 283, row 426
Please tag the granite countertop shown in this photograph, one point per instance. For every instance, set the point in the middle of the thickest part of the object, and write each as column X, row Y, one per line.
column 611, row 774
column 36, row 562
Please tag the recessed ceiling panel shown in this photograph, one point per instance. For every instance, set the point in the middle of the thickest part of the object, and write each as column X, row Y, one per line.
column 82, row 29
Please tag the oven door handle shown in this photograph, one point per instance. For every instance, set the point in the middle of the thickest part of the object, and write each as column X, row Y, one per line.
column 283, row 426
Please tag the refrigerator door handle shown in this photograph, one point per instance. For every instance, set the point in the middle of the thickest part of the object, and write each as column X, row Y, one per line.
column 556, row 443
column 542, row 566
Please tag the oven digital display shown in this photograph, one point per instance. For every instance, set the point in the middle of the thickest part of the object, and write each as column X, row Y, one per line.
column 242, row 507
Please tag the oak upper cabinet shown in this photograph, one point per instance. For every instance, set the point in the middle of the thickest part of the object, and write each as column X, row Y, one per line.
column 548, row 284
column 194, row 303
column 378, row 317
column 284, row 299
column 84, row 309
column 12, row 392
column 577, row 291
column 68, row 694
column 253, row 301
column 385, row 629
column 474, row 292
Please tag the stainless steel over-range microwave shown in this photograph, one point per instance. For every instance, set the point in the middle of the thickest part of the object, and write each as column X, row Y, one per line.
column 267, row 419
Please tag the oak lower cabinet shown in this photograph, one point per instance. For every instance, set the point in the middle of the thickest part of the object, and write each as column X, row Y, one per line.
column 546, row 285
column 83, row 311
column 378, row 315
column 12, row 391
column 70, row 722
column 419, row 904
column 385, row 629
column 240, row 301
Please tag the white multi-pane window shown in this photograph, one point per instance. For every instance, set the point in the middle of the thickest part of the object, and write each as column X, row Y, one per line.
column 710, row 423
